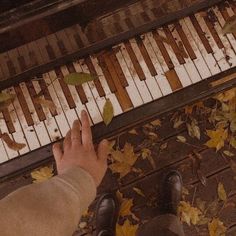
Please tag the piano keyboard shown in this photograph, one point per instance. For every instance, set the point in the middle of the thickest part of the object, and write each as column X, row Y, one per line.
column 130, row 74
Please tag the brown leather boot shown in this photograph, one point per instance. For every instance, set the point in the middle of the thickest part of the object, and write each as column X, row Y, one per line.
column 171, row 193
column 106, row 215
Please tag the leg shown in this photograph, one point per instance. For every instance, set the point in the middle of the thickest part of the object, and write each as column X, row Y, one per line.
column 163, row 225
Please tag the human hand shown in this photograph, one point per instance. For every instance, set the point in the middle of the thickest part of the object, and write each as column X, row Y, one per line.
column 78, row 150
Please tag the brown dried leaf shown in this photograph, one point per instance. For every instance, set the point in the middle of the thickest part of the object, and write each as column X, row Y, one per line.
column 138, row 191
column 178, row 122
column 230, row 25
column 194, row 130
column 46, row 103
column 216, row 228
column 181, row 139
column 11, row 143
column 221, row 192
column 156, row 122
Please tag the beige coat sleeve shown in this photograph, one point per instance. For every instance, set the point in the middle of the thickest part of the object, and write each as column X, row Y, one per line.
column 51, row 208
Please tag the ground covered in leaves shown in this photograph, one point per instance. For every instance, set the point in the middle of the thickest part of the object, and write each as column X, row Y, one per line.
column 199, row 141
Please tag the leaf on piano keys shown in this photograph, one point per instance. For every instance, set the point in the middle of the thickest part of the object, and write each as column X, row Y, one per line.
column 46, row 103
column 230, row 25
column 108, row 112
column 42, row 174
column 78, row 78
column 5, row 100
column 11, row 143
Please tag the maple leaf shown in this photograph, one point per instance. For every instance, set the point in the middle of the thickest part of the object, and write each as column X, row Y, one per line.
column 216, row 228
column 218, row 138
column 123, row 160
column 126, row 229
column 188, row 213
column 42, row 174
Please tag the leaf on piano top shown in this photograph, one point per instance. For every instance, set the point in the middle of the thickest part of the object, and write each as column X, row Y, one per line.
column 46, row 103
column 11, row 143
column 123, row 160
column 108, row 112
column 194, row 130
column 5, row 100
column 78, row 78
column 217, row 138
column 216, row 227
column 42, row 174
column 230, row 25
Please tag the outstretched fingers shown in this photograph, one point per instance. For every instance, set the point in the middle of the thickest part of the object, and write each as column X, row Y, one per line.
column 87, row 138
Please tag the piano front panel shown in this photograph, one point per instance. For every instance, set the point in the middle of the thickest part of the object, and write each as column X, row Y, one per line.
column 130, row 74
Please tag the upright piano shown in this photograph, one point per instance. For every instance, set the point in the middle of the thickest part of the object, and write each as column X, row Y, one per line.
column 149, row 57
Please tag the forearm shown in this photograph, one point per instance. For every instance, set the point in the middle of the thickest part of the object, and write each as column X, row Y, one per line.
column 50, row 208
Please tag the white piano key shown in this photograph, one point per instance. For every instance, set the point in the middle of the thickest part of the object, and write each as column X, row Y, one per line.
column 60, row 118
column 180, row 70
column 99, row 100
column 130, row 71
column 218, row 54
column 38, row 125
column 69, row 113
column 150, row 80
column 160, row 77
column 132, row 90
column 189, row 65
column 10, row 153
column 50, row 122
column 209, row 59
column 199, row 61
column 91, row 104
column 109, row 95
column 29, row 131
column 3, row 153
column 74, row 93
column 228, row 39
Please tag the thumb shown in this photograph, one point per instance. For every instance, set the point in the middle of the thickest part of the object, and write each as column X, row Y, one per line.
column 57, row 152
column 103, row 149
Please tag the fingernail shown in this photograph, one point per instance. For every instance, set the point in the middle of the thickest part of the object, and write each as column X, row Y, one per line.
column 83, row 113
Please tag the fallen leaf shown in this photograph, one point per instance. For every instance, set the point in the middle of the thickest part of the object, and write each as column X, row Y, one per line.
column 181, row 139
column 108, row 112
column 163, row 146
column 156, row 122
column 127, row 229
column 193, row 129
column 217, row 138
column 201, row 205
column 78, row 78
column 233, row 142
column 138, row 191
column 216, row 228
column 226, row 96
column 228, row 153
column 46, row 103
column 123, row 160
column 5, row 100
column 178, row 122
column 221, row 192
column 230, row 25
column 11, row 143
column 133, row 131
column 188, row 214
column 213, row 208
column 42, row 174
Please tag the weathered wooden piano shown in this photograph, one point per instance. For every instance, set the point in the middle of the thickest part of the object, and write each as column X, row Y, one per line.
column 150, row 56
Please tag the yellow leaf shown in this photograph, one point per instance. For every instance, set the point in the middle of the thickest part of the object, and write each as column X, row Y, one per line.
column 46, row 103
column 216, row 228
column 189, row 109
column 221, row 192
column 108, row 112
column 218, row 138
column 188, row 213
column 145, row 153
column 156, row 122
column 78, row 78
column 138, row 191
column 42, row 174
column 123, row 160
column 11, row 143
column 126, row 229
column 226, row 96
column 228, row 153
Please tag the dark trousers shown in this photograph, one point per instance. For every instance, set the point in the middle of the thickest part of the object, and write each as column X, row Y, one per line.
column 163, row 225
